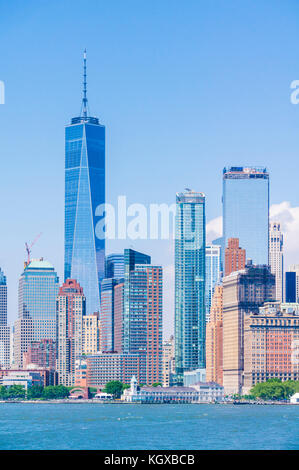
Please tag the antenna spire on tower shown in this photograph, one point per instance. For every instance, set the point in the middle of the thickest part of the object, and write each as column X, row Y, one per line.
column 84, row 99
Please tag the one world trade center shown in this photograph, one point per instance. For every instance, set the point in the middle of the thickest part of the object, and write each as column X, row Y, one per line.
column 84, row 253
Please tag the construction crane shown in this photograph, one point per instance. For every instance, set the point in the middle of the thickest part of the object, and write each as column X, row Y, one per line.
column 28, row 249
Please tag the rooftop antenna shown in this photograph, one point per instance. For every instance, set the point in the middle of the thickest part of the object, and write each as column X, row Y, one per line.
column 84, row 99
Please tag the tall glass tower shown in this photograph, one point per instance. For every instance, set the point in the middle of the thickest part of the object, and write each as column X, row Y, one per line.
column 246, row 210
column 84, row 253
column 37, row 319
column 189, row 283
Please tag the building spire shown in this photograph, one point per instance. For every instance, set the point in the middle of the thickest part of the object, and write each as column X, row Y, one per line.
column 84, row 108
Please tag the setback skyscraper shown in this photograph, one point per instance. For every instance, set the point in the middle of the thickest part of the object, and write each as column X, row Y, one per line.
column 276, row 258
column 84, row 192
column 189, row 283
column 142, row 314
column 246, row 210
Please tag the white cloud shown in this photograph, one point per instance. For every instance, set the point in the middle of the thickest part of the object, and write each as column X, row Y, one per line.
column 214, row 229
column 289, row 223
column 286, row 215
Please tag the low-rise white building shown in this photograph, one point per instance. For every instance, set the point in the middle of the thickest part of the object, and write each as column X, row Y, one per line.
column 17, row 378
column 295, row 398
column 201, row 392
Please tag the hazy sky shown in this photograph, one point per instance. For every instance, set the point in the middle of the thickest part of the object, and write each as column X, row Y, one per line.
column 183, row 88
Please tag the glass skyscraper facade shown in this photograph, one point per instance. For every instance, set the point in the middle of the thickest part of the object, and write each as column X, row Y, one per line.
column 246, row 210
column 190, row 243
column 38, row 289
column 115, row 266
column 212, row 274
column 3, row 299
column 131, row 258
column 84, row 192
column 4, row 328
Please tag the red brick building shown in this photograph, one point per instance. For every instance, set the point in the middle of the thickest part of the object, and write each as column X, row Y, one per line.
column 42, row 353
column 235, row 256
column 118, row 317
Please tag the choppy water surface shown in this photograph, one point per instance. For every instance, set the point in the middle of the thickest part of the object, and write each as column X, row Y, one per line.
column 102, row 426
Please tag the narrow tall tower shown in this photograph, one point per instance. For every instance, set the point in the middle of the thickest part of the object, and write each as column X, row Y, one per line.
column 4, row 328
column 276, row 258
column 84, row 251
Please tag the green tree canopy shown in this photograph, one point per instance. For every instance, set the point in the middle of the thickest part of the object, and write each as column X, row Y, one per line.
column 115, row 388
column 55, row 392
column 275, row 389
column 36, row 391
column 16, row 391
column 3, row 392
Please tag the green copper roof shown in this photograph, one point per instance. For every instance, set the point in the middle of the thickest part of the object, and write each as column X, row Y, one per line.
column 39, row 264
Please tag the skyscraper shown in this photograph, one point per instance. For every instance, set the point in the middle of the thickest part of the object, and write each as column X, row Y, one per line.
column 118, row 317
column 213, row 263
column 243, row 293
column 214, row 340
column 189, row 282
column 142, row 314
column 3, row 299
column 276, row 258
column 107, row 314
column 246, row 210
column 38, row 288
column 4, row 328
column 235, row 256
column 146, row 320
column 114, row 266
column 70, row 313
column 84, row 253
column 131, row 258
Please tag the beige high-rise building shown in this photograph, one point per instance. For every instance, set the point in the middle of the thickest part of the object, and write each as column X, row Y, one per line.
column 168, row 362
column 276, row 258
column 70, row 313
column 91, row 334
column 23, row 333
column 214, row 339
column 243, row 293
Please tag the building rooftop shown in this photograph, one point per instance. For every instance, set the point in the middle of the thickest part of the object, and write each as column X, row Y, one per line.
column 245, row 172
column 167, row 389
column 39, row 264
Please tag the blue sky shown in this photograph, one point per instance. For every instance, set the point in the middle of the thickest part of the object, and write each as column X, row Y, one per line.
column 183, row 88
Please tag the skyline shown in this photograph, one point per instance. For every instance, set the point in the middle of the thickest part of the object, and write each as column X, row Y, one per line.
column 137, row 92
